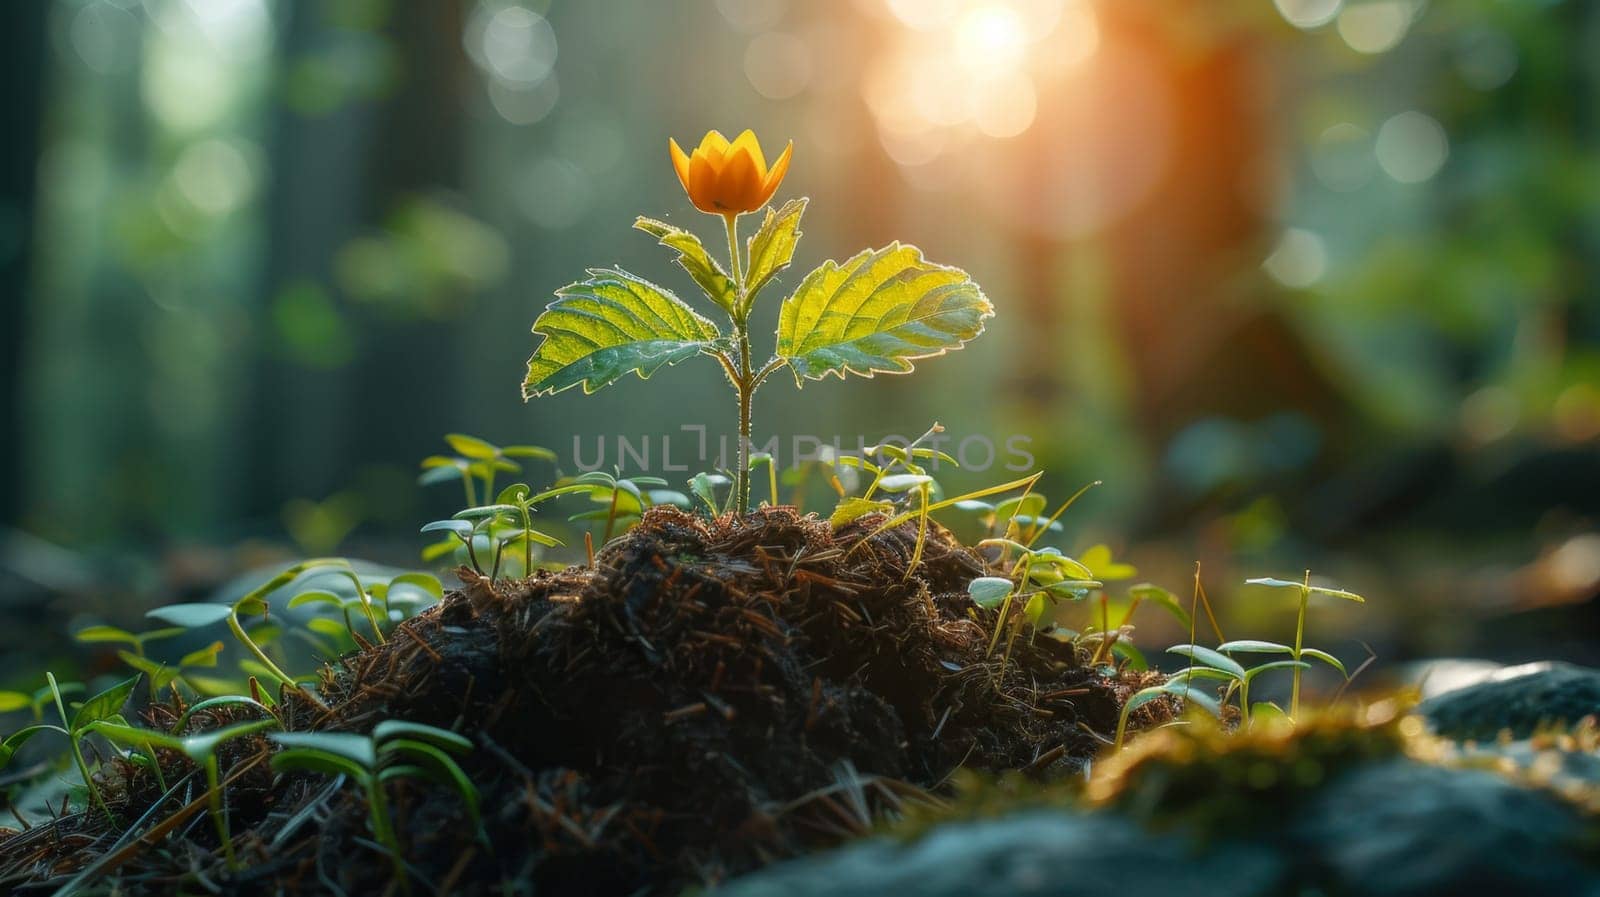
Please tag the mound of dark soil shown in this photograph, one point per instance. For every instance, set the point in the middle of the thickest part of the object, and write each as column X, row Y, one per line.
column 709, row 696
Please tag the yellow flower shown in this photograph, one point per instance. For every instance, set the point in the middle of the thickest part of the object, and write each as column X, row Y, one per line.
column 729, row 179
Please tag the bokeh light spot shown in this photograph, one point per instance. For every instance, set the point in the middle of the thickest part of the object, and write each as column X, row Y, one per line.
column 1375, row 26
column 512, row 43
column 924, row 14
column 1299, row 260
column 214, row 176
column 778, row 65
column 522, row 104
column 1307, row 14
column 1486, row 59
column 751, row 16
column 1412, row 147
column 1341, row 157
column 990, row 37
column 105, row 37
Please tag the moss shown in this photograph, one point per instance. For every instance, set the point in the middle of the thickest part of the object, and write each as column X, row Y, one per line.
column 1209, row 778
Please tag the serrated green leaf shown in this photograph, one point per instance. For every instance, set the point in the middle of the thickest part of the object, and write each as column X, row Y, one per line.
column 877, row 313
column 612, row 324
column 693, row 258
column 772, row 247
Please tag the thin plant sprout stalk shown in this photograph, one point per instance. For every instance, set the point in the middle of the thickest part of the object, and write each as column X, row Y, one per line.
column 1299, row 634
column 77, row 752
column 743, row 381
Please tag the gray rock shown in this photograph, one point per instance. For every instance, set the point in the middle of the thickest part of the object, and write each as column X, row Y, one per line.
column 1034, row 853
column 1519, row 698
column 1408, row 829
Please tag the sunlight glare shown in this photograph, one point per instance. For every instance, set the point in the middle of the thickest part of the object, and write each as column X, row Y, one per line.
column 991, row 38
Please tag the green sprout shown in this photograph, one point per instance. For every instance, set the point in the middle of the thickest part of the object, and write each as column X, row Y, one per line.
column 1209, row 663
column 395, row 749
column 134, row 655
column 39, row 700
column 199, row 615
column 1174, row 688
column 1306, row 590
column 201, row 749
column 1039, row 582
column 400, row 597
column 476, row 463
column 106, row 705
column 623, row 499
column 877, row 312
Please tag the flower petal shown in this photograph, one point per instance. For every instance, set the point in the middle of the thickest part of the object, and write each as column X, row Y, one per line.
column 738, row 184
column 775, row 176
column 714, row 144
column 703, row 179
column 680, row 162
column 747, row 141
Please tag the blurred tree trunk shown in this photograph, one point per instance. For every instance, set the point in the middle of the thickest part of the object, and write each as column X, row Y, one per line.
column 336, row 177
column 299, row 417
column 21, row 91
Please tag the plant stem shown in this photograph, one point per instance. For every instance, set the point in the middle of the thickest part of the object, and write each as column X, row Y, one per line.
column 1299, row 633
column 744, row 382
column 253, row 648
column 527, row 540
column 77, row 751
column 383, row 829
column 218, row 819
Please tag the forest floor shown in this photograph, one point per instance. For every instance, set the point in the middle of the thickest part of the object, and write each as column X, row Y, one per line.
column 707, row 697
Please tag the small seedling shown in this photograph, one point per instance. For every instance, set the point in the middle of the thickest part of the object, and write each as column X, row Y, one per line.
column 1172, row 688
column 1041, row 579
column 400, row 598
column 877, row 312
column 1306, row 590
column 196, row 616
column 1209, row 663
column 160, row 675
column 39, row 700
column 623, row 499
column 201, row 749
column 395, row 749
column 477, row 463
column 104, row 706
